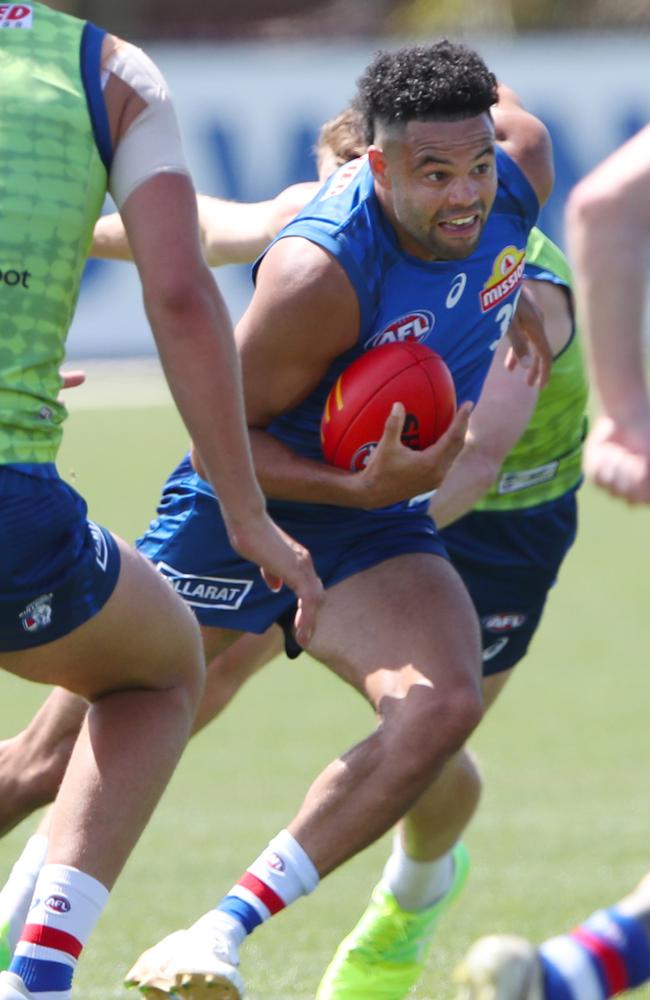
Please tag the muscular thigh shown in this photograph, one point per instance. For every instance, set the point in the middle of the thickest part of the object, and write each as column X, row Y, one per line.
column 143, row 636
column 405, row 621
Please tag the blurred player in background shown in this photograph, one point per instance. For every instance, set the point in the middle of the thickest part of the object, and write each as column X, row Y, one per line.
column 80, row 609
column 608, row 229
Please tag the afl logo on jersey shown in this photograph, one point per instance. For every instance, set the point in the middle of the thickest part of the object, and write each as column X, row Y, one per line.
column 507, row 275
column 15, row 15
column 413, row 326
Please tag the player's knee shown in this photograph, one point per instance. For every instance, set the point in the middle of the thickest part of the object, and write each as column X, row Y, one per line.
column 191, row 667
column 435, row 725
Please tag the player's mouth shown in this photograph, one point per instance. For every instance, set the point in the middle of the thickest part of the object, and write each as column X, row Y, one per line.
column 461, row 225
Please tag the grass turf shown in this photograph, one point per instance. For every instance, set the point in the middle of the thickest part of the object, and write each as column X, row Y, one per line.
column 563, row 828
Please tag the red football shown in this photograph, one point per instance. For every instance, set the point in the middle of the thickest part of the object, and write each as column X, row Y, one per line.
column 361, row 399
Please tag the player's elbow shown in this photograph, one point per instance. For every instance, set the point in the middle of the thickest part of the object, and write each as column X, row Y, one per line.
column 179, row 293
column 534, row 154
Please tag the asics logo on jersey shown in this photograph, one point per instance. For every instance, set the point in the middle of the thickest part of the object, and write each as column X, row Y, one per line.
column 456, row 291
column 206, row 591
column 507, row 275
column 15, row 15
column 412, row 326
column 13, row 278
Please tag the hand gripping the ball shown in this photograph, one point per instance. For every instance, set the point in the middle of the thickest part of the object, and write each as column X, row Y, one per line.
column 395, row 472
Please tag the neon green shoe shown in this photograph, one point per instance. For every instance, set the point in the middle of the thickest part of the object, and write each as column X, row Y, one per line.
column 5, row 948
column 384, row 954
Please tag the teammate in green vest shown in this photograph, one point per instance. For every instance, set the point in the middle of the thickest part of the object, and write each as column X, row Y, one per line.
column 81, row 112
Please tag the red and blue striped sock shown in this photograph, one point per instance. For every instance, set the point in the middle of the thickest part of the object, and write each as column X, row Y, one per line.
column 65, row 907
column 605, row 956
column 281, row 874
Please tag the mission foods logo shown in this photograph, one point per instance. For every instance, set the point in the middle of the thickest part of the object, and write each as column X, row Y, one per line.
column 15, row 15
column 507, row 275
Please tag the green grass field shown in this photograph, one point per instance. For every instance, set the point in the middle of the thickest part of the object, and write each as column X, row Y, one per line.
column 565, row 822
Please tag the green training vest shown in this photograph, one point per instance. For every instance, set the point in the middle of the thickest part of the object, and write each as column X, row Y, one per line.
column 547, row 460
column 52, row 185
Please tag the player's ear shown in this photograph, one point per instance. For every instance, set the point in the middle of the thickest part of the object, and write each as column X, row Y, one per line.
column 379, row 166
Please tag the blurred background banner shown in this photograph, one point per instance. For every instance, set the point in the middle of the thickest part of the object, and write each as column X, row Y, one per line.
column 253, row 81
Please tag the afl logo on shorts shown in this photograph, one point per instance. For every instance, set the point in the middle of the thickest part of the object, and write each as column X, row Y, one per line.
column 38, row 614
column 15, row 15
column 503, row 622
column 414, row 326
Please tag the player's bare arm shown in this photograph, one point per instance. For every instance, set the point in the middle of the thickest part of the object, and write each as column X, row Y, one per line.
column 231, row 232
column 303, row 315
column 192, row 329
column 608, row 227
column 526, row 139
column 501, row 414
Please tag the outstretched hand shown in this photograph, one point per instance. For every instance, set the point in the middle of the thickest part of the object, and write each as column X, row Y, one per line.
column 529, row 345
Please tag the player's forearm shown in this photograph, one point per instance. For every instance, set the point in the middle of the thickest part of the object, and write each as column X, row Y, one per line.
column 606, row 243
column 233, row 232
column 284, row 475
column 110, row 240
column 469, row 478
column 198, row 355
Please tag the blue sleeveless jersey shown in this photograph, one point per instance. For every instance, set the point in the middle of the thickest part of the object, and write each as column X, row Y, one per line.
column 459, row 308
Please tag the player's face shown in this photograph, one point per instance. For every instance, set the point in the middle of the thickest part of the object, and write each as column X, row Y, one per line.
column 437, row 182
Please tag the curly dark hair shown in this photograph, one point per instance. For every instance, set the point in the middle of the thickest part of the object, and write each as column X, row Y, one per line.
column 444, row 81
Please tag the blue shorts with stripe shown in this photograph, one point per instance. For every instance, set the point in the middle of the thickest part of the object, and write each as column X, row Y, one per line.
column 188, row 544
column 509, row 561
column 57, row 568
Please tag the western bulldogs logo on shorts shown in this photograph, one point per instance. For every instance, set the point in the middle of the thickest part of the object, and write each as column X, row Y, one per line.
column 38, row 614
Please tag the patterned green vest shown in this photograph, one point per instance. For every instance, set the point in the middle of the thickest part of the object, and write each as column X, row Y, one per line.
column 546, row 461
column 52, row 185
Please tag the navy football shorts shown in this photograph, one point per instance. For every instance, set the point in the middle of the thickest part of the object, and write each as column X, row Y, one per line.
column 188, row 544
column 509, row 562
column 57, row 569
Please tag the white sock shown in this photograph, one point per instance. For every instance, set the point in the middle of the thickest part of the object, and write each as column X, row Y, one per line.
column 66, row 906
column 16, row 894
column 417, row 885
